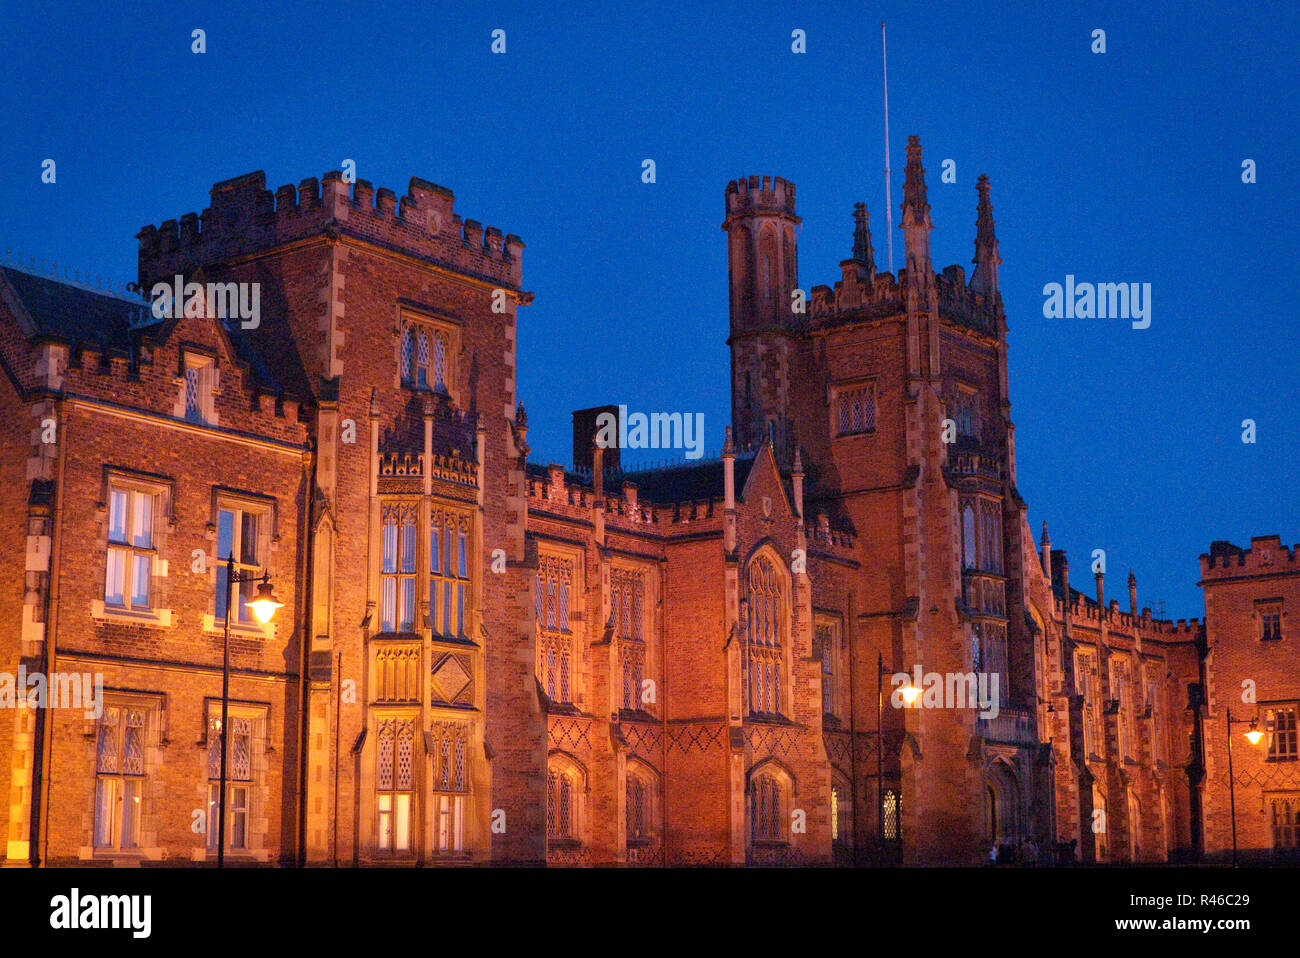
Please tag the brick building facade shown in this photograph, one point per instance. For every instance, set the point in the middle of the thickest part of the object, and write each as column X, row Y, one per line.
column 483, row 659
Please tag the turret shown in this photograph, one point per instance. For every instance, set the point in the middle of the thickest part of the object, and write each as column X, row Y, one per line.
column 761, row 225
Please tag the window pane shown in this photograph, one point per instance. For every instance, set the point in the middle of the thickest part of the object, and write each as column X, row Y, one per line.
column 433, row 547
column 225, row 534
column 130, row 813
column 390, row 546
column 388, row 605
column 408, row 605
column 117, row 509
column 408, row 546
column 114, row 579
column 142, row 524
column 407, row 353
column 403, row 841
column 140, row 582
column 460, row 555
column 105, row 804
column 460, row 610
column 214, row 814
column 221, row 606
column 446, row 608
column 248, row 540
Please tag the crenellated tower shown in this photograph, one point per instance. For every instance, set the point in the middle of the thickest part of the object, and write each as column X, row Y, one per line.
column 761, row 227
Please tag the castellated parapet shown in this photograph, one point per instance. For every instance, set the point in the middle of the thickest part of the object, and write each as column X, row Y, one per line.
column 246, row 218
column 760, row 193
column 1266, row 556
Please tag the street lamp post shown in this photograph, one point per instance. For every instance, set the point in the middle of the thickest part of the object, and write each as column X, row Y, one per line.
column 263, row 607
column 1253, row 736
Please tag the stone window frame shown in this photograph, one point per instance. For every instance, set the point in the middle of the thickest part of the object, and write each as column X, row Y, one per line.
column 842, row 388
column 638, row 772
column 436, row 325
column 261, row 748
column 778, row 653
column 964, row 397
column 1269, row 612
column 765, row 781
column 562, row 768
column 563, row 636
column 639, row 647
column 205, row 361
column 837, row 653
column 401, row 715
column 152, row 796
column 1290, row 800
column 162, row 488
column 267, row 538
column 1290, row 752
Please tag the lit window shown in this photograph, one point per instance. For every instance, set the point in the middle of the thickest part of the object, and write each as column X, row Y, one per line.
column 448, row 574
column 129, row 570
column 239, row 775
column 120, row 776
column 1280, row 725
column 393, row 784
column 1286, row 823
column 764, row 657
column 627, row 595
column 397, row 573
column 554, row 647
column 892, row 814
column 450, row 784
column 239, row 535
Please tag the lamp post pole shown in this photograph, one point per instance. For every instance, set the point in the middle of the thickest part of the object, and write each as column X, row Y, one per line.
column 263, row 608
column 880, row 752
column 1232, row 789
column 225, row 713
column 1253, row 736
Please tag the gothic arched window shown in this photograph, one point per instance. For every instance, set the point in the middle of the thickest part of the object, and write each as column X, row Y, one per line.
column 968, row 536
column 766, row 819
column 764, row 656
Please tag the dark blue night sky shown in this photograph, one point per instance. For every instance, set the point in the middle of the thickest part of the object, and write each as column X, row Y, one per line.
column 1120, row 167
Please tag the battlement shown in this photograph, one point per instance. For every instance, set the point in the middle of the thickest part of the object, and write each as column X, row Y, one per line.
column 1266, row 556
column 760, row 194
column 859, row 297
column 245, row 217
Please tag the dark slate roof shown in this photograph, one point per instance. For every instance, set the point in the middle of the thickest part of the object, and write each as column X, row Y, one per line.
column 681, row 482
column 74, row 313
column 79, row 315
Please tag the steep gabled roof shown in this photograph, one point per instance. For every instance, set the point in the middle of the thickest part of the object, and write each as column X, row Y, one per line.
column 74, row 313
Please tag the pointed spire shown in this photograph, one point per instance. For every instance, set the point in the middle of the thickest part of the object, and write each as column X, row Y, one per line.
column 916, row 223
column 862, row 251
column 914, row 194
column 1046, row 541
column 985, row 278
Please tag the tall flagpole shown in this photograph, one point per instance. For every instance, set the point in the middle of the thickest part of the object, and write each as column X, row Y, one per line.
column 889, row 195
